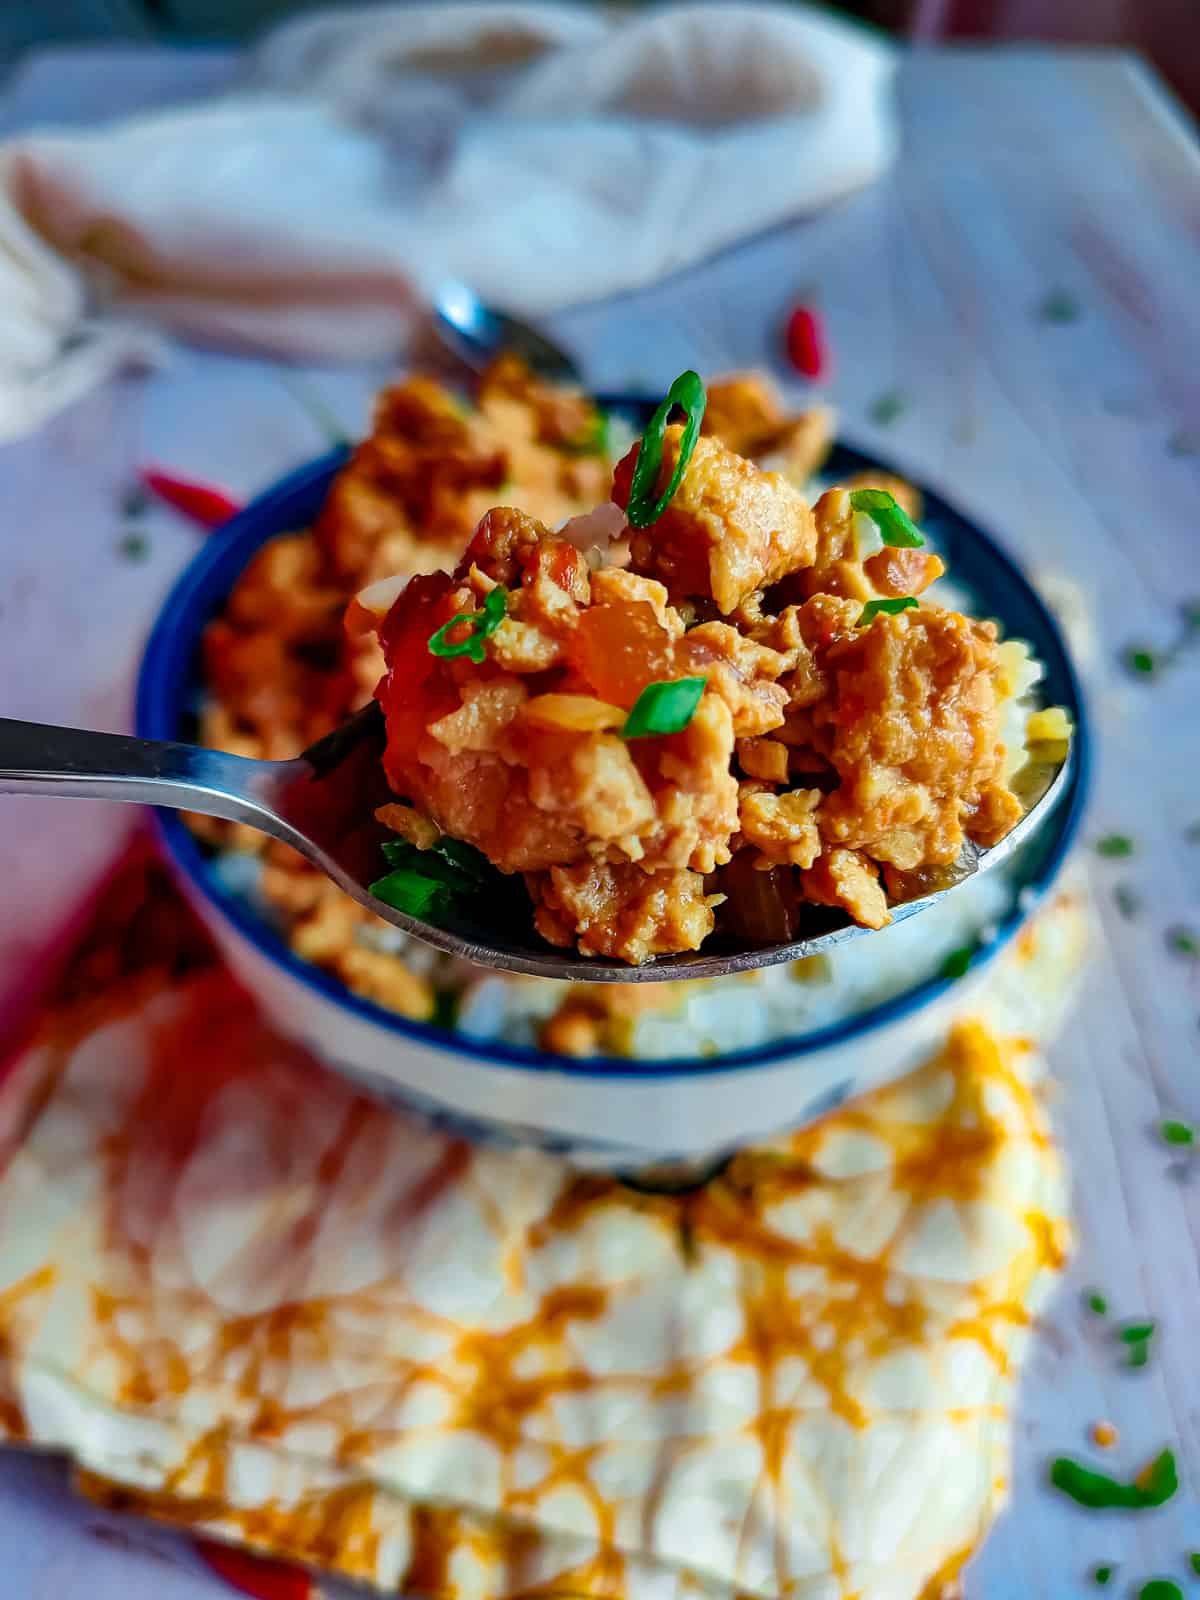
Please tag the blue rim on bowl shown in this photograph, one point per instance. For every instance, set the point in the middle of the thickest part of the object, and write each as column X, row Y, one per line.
column 169, row 689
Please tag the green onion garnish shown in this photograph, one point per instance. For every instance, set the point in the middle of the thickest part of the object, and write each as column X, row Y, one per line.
column 957, row 962
column 1097, row 1303
column 687, row 392
column 1127, row 900
column 663, row 708
column 1160, row 1589
column 1114, row 845
column 1194, row 1562
column 896, row 527
column 891, row 608
column 133, row 547
column 409, row 891
column 1153, row 1487
column 885, row 408
column 1137, row 1335
column 1060, row 305
column 1141, row 662
column 1177, row 1133
column 483, row 624
column 1183, row 942
column 421, row 881
column 1102, row 1575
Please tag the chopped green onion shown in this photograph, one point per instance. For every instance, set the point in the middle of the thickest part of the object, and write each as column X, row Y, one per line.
column 422, row 880
column 688, row 393
column 896, row 527
column 483, row 624
column 1097, row 1303
column 1160, row 1589
column 134, row 547
column 1194, row 1562
column 1127, row 900
column 1177, row 1133
column 1102, row 1575
column 892, row 403
column 1143, row 662
column 409, row 891
column 891, row 608
column 663, row 708
column 1183, row 942
column 1059, row 306
column 1154, row 1486
column 957, row 962
column 1114, row 845
column 1138, row 1336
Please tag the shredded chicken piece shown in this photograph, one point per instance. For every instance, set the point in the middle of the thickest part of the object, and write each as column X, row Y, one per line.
column 729, row 529
column 621, row 911
column 846, row 878
column 782, row 827
column 746, row 413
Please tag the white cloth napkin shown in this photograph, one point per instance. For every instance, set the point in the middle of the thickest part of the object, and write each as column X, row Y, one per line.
column 545, row 154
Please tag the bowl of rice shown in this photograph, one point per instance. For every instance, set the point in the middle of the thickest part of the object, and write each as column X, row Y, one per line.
column 250, row 654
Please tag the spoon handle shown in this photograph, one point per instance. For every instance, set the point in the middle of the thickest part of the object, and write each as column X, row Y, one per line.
column 39, row 759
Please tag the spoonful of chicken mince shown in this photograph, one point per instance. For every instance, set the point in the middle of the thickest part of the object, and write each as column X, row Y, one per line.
column 699, row 716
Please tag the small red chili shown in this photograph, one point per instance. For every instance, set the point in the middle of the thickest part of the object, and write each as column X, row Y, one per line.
column 255, row 1576
column 199, row 501
column 806, row 346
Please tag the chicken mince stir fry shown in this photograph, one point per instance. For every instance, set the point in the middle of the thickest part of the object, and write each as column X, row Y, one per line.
column 702, row 708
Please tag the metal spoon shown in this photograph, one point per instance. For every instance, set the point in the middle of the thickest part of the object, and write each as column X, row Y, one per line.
column 477, row 333
column 323, row 804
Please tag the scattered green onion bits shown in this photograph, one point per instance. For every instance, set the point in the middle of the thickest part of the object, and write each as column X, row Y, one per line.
column 885, row 408
column 1138, row 1335
column 1177, row 1133
column 889, row 608
column 1114, row 845
column 1154, row 1486
column 1102, row 1575
column 957, row 962
column 1194, row 1562
column 663, row 708
column 687, row 392
column 482, row 625
column 896, row 527
column 421, row 882
column 1160, row 1589
column 1097, row 1303
column 1183, row 942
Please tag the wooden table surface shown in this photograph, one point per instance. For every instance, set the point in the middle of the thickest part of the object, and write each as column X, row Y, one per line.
column 1025, row 174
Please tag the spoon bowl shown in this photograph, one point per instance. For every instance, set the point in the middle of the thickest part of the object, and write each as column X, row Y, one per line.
column 323, row 804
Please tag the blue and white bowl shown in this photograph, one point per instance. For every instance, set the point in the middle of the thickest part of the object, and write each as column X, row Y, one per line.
column 612, row 1113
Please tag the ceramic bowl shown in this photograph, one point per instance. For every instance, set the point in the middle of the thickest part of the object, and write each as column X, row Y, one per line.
column 608, row 1113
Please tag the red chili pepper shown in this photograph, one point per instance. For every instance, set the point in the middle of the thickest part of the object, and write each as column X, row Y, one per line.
column 255, row 1576
column 200, row 501
column 806, row 346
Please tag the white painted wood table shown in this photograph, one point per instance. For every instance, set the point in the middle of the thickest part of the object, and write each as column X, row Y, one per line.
column 1024, row 174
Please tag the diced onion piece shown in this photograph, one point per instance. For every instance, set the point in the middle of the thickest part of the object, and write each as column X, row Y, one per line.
column 370, row 605
column 572, row 713
column 594, row 529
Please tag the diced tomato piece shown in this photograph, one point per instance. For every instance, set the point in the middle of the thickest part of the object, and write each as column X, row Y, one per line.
column 619, row 649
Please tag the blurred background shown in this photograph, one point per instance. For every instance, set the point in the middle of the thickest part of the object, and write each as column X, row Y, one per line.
column 1165, row 31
